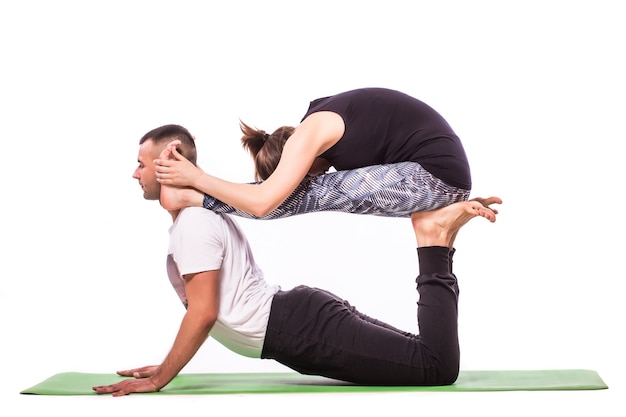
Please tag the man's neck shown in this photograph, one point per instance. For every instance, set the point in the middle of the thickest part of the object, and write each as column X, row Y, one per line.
column 174, row 214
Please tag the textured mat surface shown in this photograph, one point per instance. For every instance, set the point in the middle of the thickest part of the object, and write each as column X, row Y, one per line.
column 76, row 383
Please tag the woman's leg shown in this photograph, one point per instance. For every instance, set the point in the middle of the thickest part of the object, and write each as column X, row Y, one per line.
column 392, row 190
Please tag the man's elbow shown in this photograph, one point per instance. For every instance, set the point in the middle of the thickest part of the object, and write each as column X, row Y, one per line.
column 209, row 321
column 203, row 319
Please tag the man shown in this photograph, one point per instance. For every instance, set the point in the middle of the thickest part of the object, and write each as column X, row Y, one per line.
column 212, row 268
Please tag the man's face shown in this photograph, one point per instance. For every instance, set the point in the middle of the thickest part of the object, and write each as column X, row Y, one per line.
column 146, row 173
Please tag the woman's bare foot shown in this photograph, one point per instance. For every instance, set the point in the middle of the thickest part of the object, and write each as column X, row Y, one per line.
column 440, row 227
column 177, row 198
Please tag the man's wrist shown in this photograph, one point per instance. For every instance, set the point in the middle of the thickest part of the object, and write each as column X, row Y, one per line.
column 157, row 386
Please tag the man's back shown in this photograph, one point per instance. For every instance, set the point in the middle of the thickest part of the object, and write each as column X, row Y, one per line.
column 201, row 240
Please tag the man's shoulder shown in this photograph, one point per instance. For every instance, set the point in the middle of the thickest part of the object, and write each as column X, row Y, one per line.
column 205, row 224
column 197, row 212
column 196, row 217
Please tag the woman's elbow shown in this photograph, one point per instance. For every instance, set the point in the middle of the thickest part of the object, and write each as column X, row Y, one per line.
column 263, row 209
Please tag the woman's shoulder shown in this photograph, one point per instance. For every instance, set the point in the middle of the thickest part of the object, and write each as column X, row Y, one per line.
column 360, row 95
column 367, row 92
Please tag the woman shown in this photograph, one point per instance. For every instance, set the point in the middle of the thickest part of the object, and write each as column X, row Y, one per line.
column 394, row 155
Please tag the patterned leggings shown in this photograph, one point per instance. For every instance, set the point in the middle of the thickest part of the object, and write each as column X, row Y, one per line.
column 390, row 190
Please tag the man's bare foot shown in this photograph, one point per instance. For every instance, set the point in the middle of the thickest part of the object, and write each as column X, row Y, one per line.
column 176, row 198
column 440, row 227
column 173, row 197
column 487, row 202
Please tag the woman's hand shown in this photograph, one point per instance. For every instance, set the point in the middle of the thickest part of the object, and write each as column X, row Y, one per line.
column 174, row 169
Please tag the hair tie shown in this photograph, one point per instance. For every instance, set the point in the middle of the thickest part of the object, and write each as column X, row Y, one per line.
column 265, row 136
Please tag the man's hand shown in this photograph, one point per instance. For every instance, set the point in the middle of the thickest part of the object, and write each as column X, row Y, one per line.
column 174, row 169
column 142, row 382
column 143, row 372
column 202, row 291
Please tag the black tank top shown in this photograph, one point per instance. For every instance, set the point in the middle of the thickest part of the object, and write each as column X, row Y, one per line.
column 385, row 126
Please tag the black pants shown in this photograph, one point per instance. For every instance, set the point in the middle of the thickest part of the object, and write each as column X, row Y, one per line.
column 315, row 332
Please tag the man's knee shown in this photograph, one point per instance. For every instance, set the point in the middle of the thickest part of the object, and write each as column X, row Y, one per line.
column 449, row 371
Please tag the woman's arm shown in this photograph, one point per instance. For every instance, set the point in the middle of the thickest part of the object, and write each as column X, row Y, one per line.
column 313, row 136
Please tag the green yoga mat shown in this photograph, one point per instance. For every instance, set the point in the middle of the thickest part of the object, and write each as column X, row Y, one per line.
column 75, row 383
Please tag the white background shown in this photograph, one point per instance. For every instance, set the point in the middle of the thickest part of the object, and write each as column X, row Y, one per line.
column 535, row 90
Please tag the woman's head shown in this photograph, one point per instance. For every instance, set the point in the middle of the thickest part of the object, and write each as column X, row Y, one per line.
column 265, row 149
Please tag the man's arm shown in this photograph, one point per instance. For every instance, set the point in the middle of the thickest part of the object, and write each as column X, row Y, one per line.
column 203, row 304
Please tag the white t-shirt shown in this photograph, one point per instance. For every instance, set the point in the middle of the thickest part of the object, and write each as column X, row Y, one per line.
column 201, row 240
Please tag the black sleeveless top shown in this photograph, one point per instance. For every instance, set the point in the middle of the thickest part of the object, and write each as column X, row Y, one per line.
column 385, row 126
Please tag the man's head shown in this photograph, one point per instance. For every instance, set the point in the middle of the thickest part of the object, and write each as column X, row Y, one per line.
column 150, row 147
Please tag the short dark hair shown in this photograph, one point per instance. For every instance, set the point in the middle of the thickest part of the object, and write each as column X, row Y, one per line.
column 168, row 133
